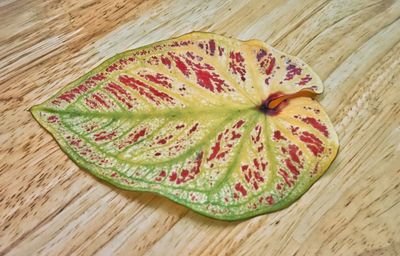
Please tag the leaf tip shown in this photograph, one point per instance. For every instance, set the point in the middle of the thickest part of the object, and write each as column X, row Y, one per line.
column 34, row 109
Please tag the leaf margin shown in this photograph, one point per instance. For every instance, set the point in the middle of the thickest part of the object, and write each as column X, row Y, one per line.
column 302, row 186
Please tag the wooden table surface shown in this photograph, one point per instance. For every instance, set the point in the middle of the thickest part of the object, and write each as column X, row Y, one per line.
column 48, row 206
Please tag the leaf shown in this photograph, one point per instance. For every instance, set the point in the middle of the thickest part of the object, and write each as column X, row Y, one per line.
column 222, row 126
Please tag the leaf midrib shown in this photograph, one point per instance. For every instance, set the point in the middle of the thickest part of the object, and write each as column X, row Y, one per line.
column 169, row 113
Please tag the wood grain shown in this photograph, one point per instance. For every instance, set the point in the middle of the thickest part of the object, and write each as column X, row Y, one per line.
column 48, row 206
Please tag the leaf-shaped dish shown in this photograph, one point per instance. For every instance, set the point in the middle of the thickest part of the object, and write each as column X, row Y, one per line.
column 222, row 126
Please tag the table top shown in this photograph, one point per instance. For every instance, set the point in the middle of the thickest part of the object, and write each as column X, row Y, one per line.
column 48, row 206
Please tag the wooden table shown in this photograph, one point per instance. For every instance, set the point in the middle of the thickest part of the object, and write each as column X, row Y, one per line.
column 48, row 206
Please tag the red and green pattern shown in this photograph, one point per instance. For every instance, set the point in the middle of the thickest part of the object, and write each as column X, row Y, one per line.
column 219, row 125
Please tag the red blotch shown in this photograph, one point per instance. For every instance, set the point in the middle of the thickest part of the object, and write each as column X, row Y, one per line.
column 117, row 91
column 270, row 200
column 173, row 177
column 112, row 68
column 236, row 64
column 239, row 124
column 92, row 104
column 278, row 136
column 148, row 91
column 193, row 129
column 153, row 60
column 90, row 128
column 292, row 71
column 239, row 187
column 256, row 163
column 132, row 138
column 271, row 66
column 291, row 167
column 158, row 79
column 216, row 148
column 229, row 141
column 305, row 80
column 255, row 185
column 316, row 124
column 212, row 47
column 220, row 50
column 267, row 62
column 261, row 53
column 187, row 175
column 313, row 143
column 285, row 176
column 100, row 100
column 71, row 94
column 258, row 177
column 247, row 172
column 52, row 119
column 166, row 61
column 196, row 168
column 257, row 138
column 190, row 55
column 161, row 176
column 264, row 165
column 294, row 130
column 141, row 133
column 164, row 140
column 99, row 77
column 235, row 135
column 180, row 65
column 294, row 153
column 104, row 136
column 207, row 80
